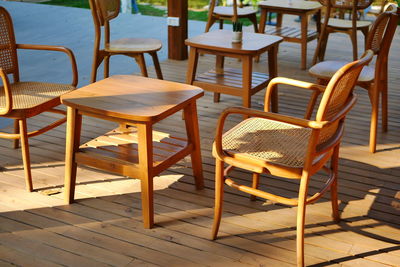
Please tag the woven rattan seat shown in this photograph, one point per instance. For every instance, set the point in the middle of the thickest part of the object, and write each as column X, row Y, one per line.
column 103, row 11
column 267, row 140
column 26, row 95
column 23, row 100
column 287, row 147
column 232, row 13
column 347, row 24
column 373, row 78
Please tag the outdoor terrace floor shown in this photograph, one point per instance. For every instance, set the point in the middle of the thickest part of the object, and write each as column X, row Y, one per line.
column 104, row 226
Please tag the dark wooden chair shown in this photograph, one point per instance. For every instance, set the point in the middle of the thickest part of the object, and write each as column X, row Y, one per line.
column 103, row 11
column 233, row 13
column 286, row 146
column 372, row 78
column 23, row 100
column 342, row 25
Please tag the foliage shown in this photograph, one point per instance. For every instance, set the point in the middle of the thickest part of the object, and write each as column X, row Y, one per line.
column 237, row 26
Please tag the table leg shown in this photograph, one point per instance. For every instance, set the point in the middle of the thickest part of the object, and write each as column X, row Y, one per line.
column 192, row 65
column 219, row 69
column 279, row 18
column 74, row 124
column 247, row 69
column 192, row 130
column 273, row 72
column 304, row 26
column 145, row 145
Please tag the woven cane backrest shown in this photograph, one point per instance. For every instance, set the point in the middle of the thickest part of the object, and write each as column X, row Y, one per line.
column 338, row 92
column 8, row 50
column 106, row 10
column 381, row 34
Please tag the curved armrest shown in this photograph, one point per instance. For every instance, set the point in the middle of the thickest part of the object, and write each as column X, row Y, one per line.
column 272, row 85
column 56, row 48
column 7, row 93
column 260, row 114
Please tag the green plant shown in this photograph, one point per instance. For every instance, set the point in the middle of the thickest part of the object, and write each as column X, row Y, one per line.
column 237, row 26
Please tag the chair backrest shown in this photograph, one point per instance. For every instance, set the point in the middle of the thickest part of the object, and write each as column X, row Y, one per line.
column 347, row 4
column 104, row 10
column 381, row 34
column 8, row 47
column 338, row 93
column 235, row 6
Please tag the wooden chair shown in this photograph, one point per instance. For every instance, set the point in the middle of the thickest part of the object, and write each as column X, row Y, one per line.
column 286, row 146
column 372, row 78
column 103, row 11
column 23, row 100
column 342, row 25
column 383, row 5
column 233, row 13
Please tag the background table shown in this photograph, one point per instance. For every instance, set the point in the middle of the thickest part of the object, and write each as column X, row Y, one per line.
column 236, row 82
column 137, row 152
column 293, row 7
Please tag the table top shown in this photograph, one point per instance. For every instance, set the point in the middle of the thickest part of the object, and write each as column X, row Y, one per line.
column 221, row 40
column 297, row 5
column 132, row 98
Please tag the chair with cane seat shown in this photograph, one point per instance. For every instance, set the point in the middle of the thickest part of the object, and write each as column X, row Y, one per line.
column 23, row 100
column 342, row 25
column 233, row 13
column 286, row 146
column 103, row 11
column 372, row 78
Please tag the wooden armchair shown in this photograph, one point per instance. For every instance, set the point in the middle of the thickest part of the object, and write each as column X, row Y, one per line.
column 233, row 13
column 342, row 25
column 103, row 11
column 286, row 146
column 22, row 100
column 372, row 78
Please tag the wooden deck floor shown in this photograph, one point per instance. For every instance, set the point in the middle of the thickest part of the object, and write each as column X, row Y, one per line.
column 104, row 226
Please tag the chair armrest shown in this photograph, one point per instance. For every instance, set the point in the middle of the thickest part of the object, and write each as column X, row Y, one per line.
column 7, row 93
column 273, row 84
column 260, row 114
column 59, row 49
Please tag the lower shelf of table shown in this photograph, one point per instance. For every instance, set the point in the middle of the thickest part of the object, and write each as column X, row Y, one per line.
column 230, row 82
column 291, row 34
column 117, row 151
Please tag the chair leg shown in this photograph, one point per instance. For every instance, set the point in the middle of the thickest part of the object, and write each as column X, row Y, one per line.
column 142, row 64
column 16, row 131
column 106, row 66
column 253, row 20
column 323, row 47
column 353, row 37
column 373, row 93
column 334, row 191
column 219, row 195
column 210, row 22
column 156, row 65
column 383, row 89
column 256, row 182
column 25, row 154
column 301, row 218
column 221, row 24
column 97, row 59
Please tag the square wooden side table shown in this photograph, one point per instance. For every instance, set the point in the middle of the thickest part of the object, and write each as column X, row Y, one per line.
column 244, row 82
column 132, row 151
column 300, row 8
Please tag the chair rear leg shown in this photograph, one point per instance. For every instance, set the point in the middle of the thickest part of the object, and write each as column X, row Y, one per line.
column 16, row 131
column 157, row 65
column 210, row 22
column 384, row 95
column 106, row 66
column 221, row 24
column 219, row 195
column 253, row 20
column 353, row 37
column 142, row 64
column 97, row 59
column 25, row 153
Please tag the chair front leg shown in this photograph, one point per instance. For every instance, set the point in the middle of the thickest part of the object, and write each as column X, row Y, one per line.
column 256, row 182
column 334, row 191
column 106, row 66
column 142, row 64
column 301, row 218
column 156, row 65
column 219, row 195
column 23, row 129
